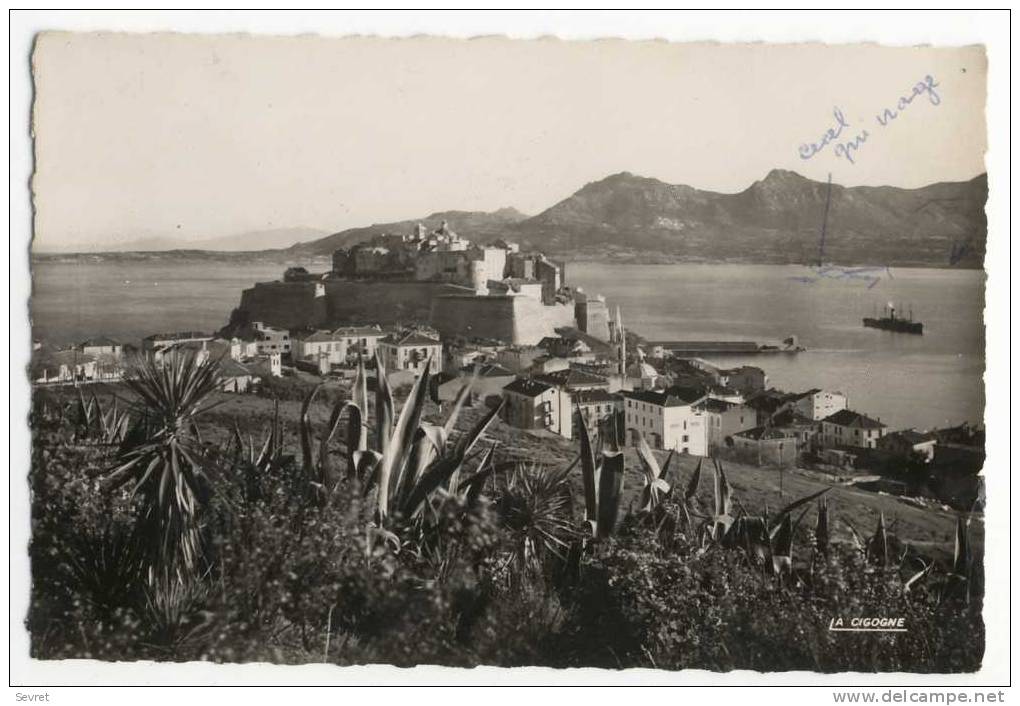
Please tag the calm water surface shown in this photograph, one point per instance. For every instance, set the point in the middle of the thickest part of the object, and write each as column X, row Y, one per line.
column 919, row 381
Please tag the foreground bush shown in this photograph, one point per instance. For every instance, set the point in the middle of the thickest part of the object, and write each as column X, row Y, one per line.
column 497, row 564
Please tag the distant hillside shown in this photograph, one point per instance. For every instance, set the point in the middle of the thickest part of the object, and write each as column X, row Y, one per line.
column 477, row 226
column 269, row 239
column 777, row 219
column 625, row 217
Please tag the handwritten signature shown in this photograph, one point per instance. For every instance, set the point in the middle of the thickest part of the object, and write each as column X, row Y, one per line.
column 871, row 275
column 847, row 148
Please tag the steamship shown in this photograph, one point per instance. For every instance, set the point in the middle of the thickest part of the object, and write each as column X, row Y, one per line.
column 898, row 324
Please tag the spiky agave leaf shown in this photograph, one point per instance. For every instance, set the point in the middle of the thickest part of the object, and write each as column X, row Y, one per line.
column 654, row 485
column 305, row 434
column 440, row 470
column 693, row 483
column 797, row 503
column 589, row 475
column 782, row 547
column 354, row 431
column 610, row 491
column 429, row 443
column 397, row 450
column 383, row 407
column 359, row 397
column 723, row 516
column 822, row 527
column 962, row 559
column 878, row 545
column 472, row 487
column 918, row 576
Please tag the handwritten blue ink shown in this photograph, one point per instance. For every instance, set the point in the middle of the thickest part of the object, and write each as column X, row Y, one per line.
column 848, row 149
column 959, row 251
column 830, row 135
column 925, row 87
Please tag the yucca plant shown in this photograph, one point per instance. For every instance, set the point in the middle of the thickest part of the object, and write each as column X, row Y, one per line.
column 535, row 507
column 602, row 476
column 165, row 470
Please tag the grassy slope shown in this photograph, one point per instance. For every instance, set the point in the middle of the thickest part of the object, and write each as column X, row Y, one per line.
column 930, row 530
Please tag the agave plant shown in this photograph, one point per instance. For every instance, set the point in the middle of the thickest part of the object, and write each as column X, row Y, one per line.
column 877, row 548
column 410, row 460
column 822, row 527
column 656, row 487
column 165, row 469
column 602, row 475
column 959, row 580
column 722, row 517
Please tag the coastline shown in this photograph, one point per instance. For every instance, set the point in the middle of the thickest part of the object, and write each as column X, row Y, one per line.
column 614, row 257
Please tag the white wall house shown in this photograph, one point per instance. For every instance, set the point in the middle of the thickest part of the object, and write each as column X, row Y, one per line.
column 848, row 428
column 668, row 419
column 409, row 351
column 818, row 404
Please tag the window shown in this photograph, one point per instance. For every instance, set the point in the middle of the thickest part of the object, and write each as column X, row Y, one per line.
column 684, row 438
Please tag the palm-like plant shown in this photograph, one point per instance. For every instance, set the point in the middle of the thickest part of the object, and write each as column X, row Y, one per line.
column 165, row 468
column 535, row 507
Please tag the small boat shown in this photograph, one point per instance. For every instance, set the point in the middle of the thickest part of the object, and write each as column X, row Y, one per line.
column 895, row 323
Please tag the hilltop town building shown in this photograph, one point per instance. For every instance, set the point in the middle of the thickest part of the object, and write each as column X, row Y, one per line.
column 668, row 419
column 766, row 446
column 338, row 347
column 847, row 428
column 101, row 346
column 462, row 289
column 410, row 351
column 595, row 406
column 818, row 404
column 724, row 419
column 592, row 314
column 530, row 404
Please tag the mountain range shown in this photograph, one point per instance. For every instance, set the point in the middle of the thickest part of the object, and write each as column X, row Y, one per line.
column 777, row 219
column 268, row 239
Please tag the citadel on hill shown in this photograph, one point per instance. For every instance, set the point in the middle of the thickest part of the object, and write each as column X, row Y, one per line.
column 492, row 291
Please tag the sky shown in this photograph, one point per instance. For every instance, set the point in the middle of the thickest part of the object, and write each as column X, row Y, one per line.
column 198, row 137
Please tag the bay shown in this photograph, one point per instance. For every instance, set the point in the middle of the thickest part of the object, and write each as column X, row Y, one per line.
column 907, row 381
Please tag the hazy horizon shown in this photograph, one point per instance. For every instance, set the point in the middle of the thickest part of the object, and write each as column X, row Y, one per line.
column 199, row 138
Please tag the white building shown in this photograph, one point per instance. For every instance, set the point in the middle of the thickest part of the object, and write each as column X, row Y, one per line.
column 270, row 339
column 668, row 419
column 847, row 428
column 409, row 351
column 818, row 404
column 338, row 347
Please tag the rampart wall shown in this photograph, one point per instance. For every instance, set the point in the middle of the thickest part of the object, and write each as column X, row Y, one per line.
column 515, row 319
